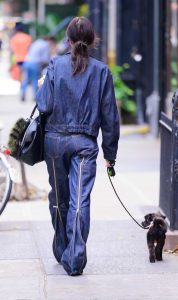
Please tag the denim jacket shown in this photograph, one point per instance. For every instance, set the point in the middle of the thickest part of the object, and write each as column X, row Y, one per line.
column 81, row 103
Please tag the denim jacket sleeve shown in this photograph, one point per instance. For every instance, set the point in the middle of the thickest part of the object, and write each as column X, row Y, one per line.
column 45, row 94
column 110, row 126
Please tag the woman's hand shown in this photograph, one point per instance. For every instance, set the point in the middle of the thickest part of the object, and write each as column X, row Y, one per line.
column 107, row 163
column 41, row 80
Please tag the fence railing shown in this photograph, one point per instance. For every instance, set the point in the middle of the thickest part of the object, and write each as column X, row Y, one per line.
column 168, row 200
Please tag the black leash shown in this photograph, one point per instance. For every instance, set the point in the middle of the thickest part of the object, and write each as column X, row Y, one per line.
column 111, row 172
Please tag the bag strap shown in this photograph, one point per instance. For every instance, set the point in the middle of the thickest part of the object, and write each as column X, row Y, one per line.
column 33, row 111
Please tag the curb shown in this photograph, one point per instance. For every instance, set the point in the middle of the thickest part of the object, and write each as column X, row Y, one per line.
column 134, row 129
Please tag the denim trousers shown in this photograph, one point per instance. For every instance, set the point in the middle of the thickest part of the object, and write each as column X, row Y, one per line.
column 71, row 163
column 31, row 75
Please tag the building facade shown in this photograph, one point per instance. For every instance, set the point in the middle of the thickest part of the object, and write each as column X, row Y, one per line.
column 145, row 33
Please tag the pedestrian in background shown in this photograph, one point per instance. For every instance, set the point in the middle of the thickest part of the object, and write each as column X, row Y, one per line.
column 78, row 99
column 19, row 45
column 0, row 42
column 38, row 57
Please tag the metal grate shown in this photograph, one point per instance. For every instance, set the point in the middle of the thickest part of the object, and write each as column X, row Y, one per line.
column 168, row 200
column 165, row 165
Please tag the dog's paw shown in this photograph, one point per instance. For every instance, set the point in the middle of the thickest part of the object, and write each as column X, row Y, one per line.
column 152, row 260
column 159, row 258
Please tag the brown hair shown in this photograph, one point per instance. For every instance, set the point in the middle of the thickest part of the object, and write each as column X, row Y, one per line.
column 81, row 34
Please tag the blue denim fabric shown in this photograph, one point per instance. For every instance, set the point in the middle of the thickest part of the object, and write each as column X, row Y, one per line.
column 71, row 163
column 83, row 103
column 32, row 73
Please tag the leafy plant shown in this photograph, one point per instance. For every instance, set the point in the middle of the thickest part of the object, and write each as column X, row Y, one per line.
column 122, row 92
column 174, row 74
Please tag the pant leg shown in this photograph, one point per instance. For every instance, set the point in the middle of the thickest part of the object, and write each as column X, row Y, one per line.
column 31, row 75
column 35, row 73
column 58, row 169
column 26, row 80
column 81, row 180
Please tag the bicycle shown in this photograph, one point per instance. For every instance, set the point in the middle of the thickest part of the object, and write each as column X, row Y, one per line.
column 6, row 178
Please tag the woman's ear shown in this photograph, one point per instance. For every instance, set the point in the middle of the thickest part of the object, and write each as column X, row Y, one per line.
column 70, row 43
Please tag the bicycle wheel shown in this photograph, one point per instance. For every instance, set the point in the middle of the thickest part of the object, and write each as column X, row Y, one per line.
column 5, row 185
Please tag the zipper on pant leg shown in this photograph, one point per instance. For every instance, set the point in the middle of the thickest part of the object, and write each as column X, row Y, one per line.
column 78, row 204
column 57, row 202
column 79, row 186
column 56, row 192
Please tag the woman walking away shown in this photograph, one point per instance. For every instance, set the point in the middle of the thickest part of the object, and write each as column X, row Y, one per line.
column 77, row 97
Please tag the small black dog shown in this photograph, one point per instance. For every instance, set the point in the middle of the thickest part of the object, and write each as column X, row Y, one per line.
column 156, row 235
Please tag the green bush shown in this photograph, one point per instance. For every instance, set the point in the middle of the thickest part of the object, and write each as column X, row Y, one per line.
column 123, row 93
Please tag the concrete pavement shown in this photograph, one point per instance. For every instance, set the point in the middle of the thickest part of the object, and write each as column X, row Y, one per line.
column 118, row 266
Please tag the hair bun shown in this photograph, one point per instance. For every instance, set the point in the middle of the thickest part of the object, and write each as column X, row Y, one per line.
column 80, row 44
column 80, row 48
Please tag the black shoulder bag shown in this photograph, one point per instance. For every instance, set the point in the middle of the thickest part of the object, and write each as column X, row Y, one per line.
column 26, row 139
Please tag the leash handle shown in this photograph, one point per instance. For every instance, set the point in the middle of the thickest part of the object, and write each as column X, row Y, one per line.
column 111, row 171
column 109, row 176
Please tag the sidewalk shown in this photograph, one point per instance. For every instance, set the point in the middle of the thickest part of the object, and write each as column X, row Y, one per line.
column 118, row 266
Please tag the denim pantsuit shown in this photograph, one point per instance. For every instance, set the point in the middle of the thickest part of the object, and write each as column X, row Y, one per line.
column 76, row 107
